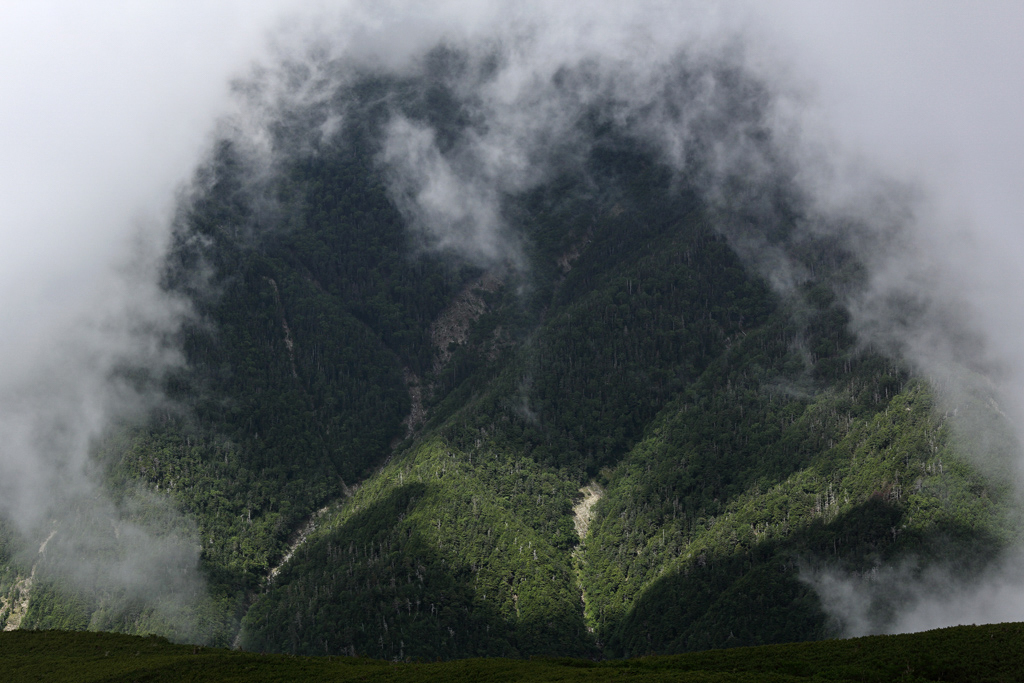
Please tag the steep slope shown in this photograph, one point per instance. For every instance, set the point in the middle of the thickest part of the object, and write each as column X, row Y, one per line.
column 381, row 435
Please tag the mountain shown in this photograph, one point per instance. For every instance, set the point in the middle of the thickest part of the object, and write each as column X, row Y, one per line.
column 437, row 407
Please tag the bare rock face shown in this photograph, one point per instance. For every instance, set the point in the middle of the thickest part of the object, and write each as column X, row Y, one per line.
column 452, row 326
column 14, row 605
column 583, row 511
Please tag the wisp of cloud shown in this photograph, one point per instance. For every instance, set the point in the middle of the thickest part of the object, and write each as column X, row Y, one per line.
column 106, row 108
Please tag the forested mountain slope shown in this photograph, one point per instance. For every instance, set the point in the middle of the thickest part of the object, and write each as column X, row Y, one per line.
column 381, row 439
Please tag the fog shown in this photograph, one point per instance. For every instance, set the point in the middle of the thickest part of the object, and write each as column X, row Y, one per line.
column 899, row 117
column 106, row 108
column 927, row 95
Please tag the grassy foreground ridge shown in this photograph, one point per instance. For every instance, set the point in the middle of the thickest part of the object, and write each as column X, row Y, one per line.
column 962, row 653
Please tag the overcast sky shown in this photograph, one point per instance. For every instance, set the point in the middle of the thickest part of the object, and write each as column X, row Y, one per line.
column 926, row 89
column 107, row 105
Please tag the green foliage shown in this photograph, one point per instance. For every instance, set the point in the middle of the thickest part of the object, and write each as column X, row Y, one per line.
column 686, row 557
column 439, row 556
column 742, row 435
column 975, row 653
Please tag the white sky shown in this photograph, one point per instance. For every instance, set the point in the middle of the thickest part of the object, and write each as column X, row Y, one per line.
column 930, row 87
column 106, row 105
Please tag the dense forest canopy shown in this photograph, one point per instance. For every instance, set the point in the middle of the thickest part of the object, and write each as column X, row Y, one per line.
column 573, row 369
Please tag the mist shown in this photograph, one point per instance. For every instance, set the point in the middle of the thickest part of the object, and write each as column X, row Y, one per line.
column 895, row 122
column 106, row 109
column 898, row 118
column 925, row 96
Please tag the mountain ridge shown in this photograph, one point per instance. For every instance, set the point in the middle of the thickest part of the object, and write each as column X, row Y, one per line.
column 382, row 431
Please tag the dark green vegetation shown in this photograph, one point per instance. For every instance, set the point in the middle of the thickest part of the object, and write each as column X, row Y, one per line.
column 964, row 653
column 417, row 426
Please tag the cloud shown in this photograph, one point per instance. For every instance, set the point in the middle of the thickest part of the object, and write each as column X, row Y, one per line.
column 894, row 124
column 906, row 598
column 106, row 109
column 911, row 132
